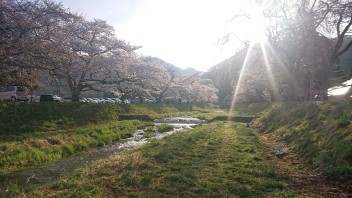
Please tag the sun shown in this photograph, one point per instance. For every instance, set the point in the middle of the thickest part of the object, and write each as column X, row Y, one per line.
column 252, row 28
column 257, row 25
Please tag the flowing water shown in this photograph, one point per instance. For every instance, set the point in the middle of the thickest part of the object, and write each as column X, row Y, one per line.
column 49, row 172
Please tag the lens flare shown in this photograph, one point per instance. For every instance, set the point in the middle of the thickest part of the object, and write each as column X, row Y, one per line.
column 268, row 66
column 239, row 82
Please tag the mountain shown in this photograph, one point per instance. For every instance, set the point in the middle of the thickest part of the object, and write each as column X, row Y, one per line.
column 224, row 74
column 182, row 72
column 188, row 71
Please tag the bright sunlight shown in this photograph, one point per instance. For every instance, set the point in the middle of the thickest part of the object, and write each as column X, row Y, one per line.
column 175, row 98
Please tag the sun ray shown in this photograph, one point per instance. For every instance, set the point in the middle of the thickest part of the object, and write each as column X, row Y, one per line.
column 268, row 66
column 255, row 36
column 239, row 82
column 281, row 64
column 277, row 58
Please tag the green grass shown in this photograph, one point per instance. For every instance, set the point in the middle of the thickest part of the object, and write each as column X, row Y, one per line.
column 154, row 109
column 34, row 117
column 321, row 133
column 216, row 160
column 253, row 109
column 29, row 149
column 38, row 133
column 165, row 128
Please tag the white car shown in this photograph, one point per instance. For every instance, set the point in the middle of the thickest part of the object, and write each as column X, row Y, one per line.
column 117, row 100
column 109, row 100
column 92, row 100
column 14, row 93
column 83, row 100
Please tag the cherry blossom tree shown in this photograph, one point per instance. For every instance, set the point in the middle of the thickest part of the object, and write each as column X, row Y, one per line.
column 191, row 89
column 307, row 35
column 148, row 80
column 25, row 27
column 90, row 57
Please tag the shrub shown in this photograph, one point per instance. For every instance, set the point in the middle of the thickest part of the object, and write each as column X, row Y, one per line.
column 148, row 134
column 165, row 128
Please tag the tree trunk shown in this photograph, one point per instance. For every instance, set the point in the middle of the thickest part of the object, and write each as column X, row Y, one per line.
column 291, row 88
column 274, row 94
column 75, row 95
column 324, row 84
column 161, row 94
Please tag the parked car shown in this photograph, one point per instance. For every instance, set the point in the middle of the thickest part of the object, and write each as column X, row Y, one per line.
column 100, row 100
column 50, row 98
column 109, row 100
column 149, row 100
column 116, row 100
column 92, row 100
column 67, row 99
column 14, row 93
column 83, row 100
column 126, row 101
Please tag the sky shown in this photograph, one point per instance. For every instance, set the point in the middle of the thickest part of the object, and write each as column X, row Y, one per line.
column 185, row 33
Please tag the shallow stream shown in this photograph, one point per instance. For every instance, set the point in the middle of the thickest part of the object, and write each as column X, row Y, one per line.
column 49, row 172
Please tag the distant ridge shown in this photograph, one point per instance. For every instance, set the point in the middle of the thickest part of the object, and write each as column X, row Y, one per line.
column 172, row 68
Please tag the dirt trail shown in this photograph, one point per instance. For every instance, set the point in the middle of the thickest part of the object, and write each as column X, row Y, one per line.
column 301, row 177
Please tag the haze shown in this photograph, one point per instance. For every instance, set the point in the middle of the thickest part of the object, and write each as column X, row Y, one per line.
column 184, row 33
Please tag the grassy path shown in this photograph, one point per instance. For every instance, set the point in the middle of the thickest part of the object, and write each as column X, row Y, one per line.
column 216, row 160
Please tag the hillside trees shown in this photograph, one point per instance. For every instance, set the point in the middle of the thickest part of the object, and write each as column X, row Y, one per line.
column 203, row 91
column 256, row 83
column 303, row 38
column 225, row 74
column 191, row 89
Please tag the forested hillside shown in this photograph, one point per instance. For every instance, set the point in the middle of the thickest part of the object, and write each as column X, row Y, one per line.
column 172, row 68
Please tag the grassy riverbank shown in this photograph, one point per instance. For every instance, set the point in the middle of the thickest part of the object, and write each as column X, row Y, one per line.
column 320, row 134
column 34, row 117
column 217, row 160
column 222, row 159
column 38, row 133
column 29, row 149
column 18, row 118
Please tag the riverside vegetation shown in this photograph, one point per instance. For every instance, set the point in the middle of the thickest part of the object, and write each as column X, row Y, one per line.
column 38, row 133
column 219, row 159
column 216, row 160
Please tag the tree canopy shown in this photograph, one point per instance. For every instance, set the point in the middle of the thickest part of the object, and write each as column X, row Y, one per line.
column 299, row 51
column 43, row 41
